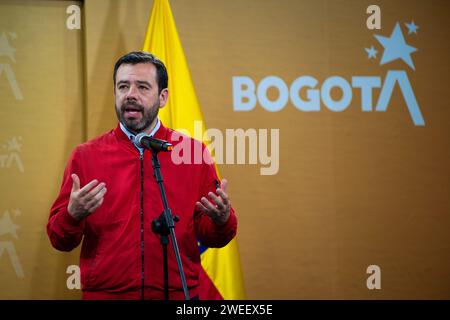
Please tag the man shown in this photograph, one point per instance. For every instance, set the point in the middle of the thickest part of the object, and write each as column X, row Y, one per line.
column 109, row 197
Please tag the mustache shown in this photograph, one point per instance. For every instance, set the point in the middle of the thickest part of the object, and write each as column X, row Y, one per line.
column 132, row 104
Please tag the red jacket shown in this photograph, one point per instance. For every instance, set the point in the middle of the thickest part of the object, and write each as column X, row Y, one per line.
column 121, row 258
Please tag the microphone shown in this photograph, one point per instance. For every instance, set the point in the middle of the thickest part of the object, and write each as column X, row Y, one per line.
column 142, row 140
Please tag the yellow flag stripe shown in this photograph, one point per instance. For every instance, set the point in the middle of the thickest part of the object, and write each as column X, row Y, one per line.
column 182, row 111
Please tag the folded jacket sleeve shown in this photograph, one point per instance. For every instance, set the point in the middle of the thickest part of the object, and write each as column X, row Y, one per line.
column 64, row 231
column 209, row 233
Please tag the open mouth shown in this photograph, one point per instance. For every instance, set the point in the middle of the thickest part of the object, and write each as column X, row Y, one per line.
column 132, row 111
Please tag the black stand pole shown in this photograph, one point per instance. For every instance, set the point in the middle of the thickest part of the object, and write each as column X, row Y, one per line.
column 164, row 225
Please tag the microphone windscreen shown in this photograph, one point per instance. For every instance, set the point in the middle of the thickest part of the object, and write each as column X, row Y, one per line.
column 138, row 139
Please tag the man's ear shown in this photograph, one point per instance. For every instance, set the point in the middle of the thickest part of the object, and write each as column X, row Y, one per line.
column 163, row 97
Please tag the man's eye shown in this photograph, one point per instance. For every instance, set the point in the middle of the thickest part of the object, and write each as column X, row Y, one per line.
column 143, row 87
column 123, row 87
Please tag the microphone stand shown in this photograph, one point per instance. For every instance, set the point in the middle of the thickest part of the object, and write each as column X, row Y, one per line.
column 164, row 225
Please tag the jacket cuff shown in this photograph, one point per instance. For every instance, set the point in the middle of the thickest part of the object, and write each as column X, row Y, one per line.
column 229, row 226
column 69, row 223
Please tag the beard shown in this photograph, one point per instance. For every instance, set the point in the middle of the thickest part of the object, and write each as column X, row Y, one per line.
column 136, row 125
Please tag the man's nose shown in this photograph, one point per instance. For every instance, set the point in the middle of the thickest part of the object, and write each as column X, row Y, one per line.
column 132, row 93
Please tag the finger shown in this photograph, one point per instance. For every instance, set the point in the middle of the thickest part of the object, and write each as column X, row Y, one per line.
column 91, row 194
column 87, row 187
column 201, row 207
column 209, row 206
column 89, row 206
column 96, row 198
column 95, row 207
column 224, row 185
column 217, row 200
column 224, row 196
column 75, row 183
column 94, row 202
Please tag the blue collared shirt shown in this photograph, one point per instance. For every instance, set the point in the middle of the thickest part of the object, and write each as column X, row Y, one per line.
column 132, row 136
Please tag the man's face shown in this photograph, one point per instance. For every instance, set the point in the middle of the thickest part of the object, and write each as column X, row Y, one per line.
column 137, row 97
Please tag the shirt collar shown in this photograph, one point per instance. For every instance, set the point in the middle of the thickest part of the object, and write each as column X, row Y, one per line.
column 132, row 136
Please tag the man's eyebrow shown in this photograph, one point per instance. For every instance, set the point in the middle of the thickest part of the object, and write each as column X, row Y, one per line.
column 143, row 82
column 137, row 81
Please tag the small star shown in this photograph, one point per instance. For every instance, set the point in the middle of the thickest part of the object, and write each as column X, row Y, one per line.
column 372, row 53
column 395, row 47
column 5, row 48
column 412, row 27
column 14, row 145
column 7, row 226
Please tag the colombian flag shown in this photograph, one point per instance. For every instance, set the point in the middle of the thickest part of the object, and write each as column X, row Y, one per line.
column 222, row 276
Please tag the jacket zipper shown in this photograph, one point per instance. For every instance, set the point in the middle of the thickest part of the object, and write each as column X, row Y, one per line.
column 141, row 158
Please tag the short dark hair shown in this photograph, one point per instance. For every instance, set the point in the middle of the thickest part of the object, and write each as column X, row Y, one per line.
column 136, row 57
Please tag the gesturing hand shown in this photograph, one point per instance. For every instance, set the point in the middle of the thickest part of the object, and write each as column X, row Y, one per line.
column 219, row 209
column 86, row 200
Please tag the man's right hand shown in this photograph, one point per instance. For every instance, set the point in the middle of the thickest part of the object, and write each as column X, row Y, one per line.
column 86, row 200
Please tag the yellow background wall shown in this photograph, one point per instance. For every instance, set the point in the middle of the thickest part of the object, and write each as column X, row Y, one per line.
column 353, row 189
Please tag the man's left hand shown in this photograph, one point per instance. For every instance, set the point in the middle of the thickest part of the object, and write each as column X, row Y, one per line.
column 218, row 207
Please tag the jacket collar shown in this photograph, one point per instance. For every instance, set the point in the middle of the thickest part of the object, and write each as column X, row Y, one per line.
column 161, row 133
